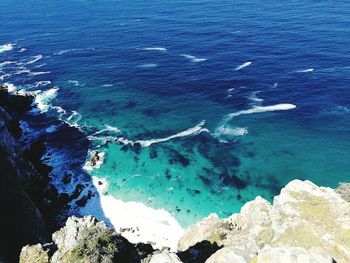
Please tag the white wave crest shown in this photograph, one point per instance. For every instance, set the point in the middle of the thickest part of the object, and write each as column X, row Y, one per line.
column 2, row 77
column 232, row 131
column 257, row 109
column 161, row 49
column 253, row 97
column 146, row 143
column 148, row 65
column 193, row 58
column 7, row 63
column 6, row 47
column 10, row 87
column 35, row 59
column 22, row 70
column 64, row 51
column 244, row 65
column 22, row 50
column 74, row 118
column 107, row 128
column 39, row 73
column 75, row 83
column 42, row 83
column 306, row 70
column 43, row 99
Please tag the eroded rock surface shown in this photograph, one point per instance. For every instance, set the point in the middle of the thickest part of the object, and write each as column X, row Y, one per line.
column 316, row 219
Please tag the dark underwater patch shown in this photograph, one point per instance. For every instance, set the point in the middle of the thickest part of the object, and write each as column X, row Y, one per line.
column 177, row 158
column 130, row 104
column 233, row 180
column 193, row 192
column 153, row 153
column 151, row 112
column 167, row 174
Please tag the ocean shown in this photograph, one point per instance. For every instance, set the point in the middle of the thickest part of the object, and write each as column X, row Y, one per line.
column 198, row 106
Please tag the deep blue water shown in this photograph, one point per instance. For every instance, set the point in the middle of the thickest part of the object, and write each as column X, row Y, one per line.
column 153, row 69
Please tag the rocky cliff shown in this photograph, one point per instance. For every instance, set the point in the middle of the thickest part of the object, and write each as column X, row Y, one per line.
column 305, row 224
column 32, row 208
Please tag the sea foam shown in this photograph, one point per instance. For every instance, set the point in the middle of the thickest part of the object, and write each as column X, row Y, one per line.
column 161, row 49
column 257, row 109
column 6, row 47
column 88, row 167
column 306, row 70
column 35, row 59
column 43, row 99
column 146, row 143
column 135, row 221
column 193, row 58
column 244, row 65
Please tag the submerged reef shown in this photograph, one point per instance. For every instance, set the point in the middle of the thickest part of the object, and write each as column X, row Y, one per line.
column 40, row 222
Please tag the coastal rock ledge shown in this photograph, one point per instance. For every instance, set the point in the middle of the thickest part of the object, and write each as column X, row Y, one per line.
column 305, row 224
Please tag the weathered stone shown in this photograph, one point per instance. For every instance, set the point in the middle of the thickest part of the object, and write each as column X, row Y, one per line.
column 33, row 254
column 87, row 240
column 290, row 255
column 163, row 258
column 344, row 190
column 304, row 215
column 227, row 255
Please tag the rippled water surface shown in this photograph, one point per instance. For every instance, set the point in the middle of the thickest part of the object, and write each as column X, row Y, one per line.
column 177, row 93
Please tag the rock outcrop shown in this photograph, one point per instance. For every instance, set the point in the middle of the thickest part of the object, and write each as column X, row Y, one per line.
column 85, row 240
column 32, row 206
column 305, row 224
column 305, row 216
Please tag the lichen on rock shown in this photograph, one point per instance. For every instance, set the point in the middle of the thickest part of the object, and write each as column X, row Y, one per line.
column 316, row 219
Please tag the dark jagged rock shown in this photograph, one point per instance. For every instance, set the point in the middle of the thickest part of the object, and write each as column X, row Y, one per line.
column 16, row 102
column 67, row 178
column 95, row 159
column 14, row 128
column 21, row 223
column 198, row 253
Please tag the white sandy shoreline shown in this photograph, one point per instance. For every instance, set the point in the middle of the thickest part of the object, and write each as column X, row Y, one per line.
column 135, row 221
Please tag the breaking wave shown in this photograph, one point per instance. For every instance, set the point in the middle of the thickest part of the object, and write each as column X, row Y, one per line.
column 244, row 65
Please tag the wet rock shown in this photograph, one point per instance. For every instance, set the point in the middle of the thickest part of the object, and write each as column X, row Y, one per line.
column 67, row 178
column 82, row 201
column 14, row 128
column 16, row 102
column 95, row 159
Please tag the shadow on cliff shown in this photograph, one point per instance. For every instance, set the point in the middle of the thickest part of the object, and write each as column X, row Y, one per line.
column 42, row 182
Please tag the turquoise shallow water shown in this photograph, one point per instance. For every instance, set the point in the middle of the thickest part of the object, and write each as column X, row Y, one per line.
column 154, row 69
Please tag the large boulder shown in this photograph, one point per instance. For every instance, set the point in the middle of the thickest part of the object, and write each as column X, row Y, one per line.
column 34, row 254
column 163, row 258
column 304, row 215
column 269, row 255
column 88, row 240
